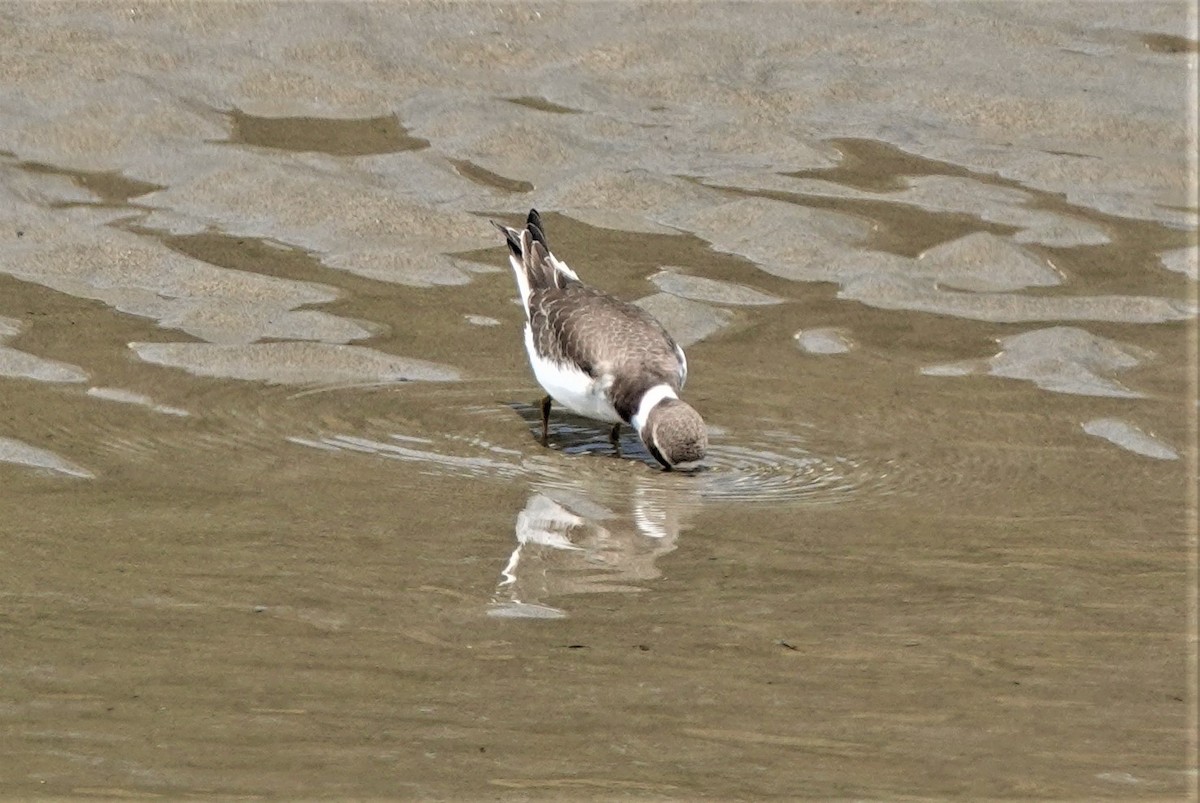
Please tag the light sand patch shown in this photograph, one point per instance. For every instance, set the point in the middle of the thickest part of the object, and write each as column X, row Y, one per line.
column 627, row 200
column 23, row 454
column 985, row 262
column 480, row 320
column 698, row 288
column 362, row 227
column 784, row 239
column 295, row 363
column 825, row 340
column 1062, row 359
column 1182, row 260
column 616, row 220
column 141, row 400
column 805, row 244
column 136, row 276
column 716, row 146
column 20, row 364
column 1129, row 437
column 116, row 127
column 518, row 142
column 39, row 189
column 398, row 266
column 893, row 292
column 688, row 321
column 1059, row 231
column 760, row 103
column 431, row 179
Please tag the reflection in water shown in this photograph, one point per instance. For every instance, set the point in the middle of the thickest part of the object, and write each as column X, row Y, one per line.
column 591, row 522
column 570, row 543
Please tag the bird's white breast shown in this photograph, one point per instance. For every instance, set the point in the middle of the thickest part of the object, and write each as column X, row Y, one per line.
column 571, row 387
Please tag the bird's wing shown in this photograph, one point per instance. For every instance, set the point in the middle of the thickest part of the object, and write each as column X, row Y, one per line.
column 606, row 337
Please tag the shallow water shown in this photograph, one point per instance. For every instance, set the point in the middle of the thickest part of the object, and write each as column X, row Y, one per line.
column 274, row 517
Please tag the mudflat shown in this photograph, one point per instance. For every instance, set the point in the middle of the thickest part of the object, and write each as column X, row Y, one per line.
column 274, row 518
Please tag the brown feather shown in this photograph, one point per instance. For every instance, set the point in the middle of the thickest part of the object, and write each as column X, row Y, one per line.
column 604, row 336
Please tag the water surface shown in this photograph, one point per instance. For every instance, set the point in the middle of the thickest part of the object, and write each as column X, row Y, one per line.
column 274, row 517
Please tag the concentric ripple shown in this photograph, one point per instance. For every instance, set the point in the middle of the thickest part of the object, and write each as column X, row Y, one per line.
column 773, row 466
column 779, row 467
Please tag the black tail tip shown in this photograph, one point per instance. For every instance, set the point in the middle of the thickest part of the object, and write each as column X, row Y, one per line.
column 514, row 244
column 534, row 224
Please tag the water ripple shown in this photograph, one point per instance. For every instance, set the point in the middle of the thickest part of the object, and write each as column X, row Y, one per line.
column 775, row 466
column 780, row 467
column 447, row 431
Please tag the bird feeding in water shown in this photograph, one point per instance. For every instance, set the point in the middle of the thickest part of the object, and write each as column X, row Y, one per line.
column 600, row 357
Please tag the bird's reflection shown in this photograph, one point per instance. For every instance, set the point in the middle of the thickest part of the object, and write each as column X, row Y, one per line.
column 570, row 541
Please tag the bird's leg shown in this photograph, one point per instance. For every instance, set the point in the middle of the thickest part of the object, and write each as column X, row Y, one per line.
column 614, row 437
column 545, row 420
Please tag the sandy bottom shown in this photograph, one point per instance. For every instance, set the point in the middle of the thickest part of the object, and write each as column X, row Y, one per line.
column 275, row 520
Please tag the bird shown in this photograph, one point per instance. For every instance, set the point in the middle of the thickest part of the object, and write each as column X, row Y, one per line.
column 600, row 357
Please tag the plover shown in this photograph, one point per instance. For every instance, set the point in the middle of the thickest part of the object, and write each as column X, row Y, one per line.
column 600, row 357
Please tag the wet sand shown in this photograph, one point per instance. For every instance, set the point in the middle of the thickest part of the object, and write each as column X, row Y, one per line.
column 275, row 521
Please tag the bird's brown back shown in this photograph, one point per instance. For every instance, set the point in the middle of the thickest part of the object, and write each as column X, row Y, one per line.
column 605, row 336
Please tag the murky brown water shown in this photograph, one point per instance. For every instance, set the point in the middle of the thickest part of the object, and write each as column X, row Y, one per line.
column 243, row 561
